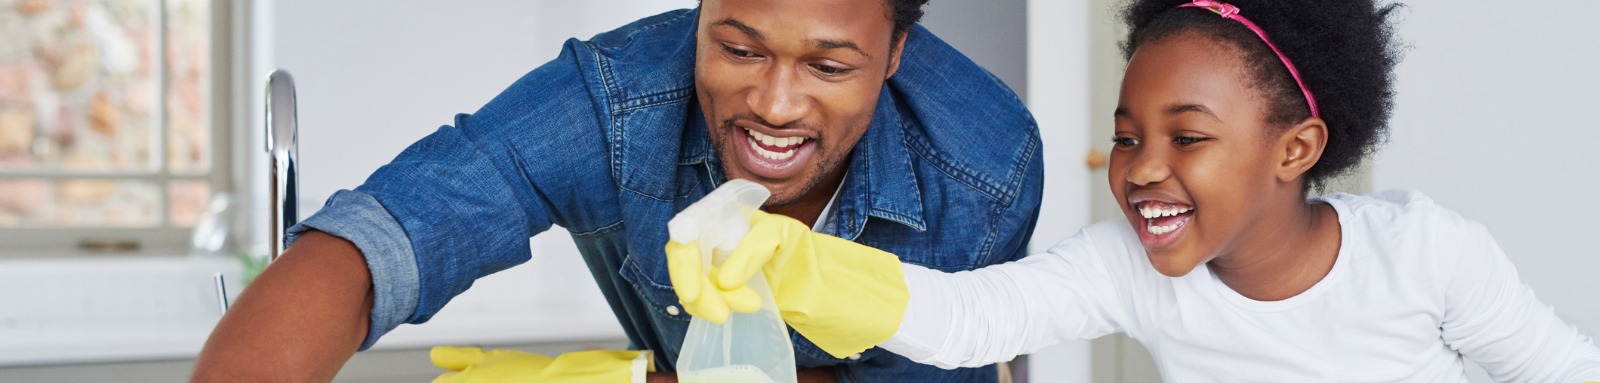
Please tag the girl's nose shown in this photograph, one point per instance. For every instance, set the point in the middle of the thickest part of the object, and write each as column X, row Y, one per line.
column 1147, row 167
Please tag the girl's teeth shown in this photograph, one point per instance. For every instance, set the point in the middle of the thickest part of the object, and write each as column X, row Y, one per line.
column 1160, row 230
column 1158, row 212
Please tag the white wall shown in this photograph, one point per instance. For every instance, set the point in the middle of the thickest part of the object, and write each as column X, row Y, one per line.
column 1058, row 46
column 1495, row 119
column 374, row 76
column 993, row 33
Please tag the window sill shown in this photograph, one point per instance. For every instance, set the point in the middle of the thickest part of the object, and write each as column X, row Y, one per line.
column 89, row 309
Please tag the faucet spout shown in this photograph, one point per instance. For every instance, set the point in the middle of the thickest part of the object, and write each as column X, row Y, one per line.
column 283, row 152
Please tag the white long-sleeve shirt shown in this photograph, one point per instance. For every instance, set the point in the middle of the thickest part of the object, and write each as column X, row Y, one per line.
column 1415, row 288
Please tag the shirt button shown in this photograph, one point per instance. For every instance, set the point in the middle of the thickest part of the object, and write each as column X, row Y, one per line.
column 854, row 357
column 673, row 310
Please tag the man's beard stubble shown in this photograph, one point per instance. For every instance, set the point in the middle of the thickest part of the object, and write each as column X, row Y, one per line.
column 827, row 165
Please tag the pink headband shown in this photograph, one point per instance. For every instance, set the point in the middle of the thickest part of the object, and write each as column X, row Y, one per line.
column 1228, row 11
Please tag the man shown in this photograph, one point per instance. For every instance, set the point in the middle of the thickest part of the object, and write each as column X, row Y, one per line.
column 862, row 124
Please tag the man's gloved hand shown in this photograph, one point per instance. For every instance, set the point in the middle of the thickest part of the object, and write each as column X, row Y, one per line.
column 696, row 292
column 475, row 365
column 843, row 296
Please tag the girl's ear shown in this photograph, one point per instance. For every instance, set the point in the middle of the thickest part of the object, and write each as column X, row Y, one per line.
column 1302, row 147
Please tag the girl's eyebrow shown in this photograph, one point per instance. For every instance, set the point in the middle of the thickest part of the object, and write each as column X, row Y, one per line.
column 1176, row 109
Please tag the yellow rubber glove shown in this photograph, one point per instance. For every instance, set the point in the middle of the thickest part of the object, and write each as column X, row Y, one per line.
column 697, row 294
column 475, row 365
column 843, row 296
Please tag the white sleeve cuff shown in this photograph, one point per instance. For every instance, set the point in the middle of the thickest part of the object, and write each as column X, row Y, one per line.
column 927, row 323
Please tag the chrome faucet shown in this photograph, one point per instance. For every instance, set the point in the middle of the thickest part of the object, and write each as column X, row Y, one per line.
column 283, row 149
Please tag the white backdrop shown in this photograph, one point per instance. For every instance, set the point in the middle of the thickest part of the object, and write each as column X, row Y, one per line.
column 1495, row 119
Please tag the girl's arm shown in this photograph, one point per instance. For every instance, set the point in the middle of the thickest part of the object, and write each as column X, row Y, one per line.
column 980, row 317
column 1493, row 319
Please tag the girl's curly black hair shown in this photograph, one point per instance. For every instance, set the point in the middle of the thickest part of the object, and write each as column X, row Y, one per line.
column 1345, row 51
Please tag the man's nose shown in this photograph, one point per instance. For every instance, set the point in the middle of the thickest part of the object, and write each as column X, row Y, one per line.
column 1148, row 167
column 778, row 99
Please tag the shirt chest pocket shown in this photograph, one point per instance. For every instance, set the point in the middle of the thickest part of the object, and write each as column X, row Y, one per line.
column 654, row 287
column 660, row 306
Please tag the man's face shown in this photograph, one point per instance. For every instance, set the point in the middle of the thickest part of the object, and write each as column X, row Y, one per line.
column 788, row 87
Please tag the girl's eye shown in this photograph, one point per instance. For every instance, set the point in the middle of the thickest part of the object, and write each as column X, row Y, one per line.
column 740, row 53
column 1186, row 140
column 830, row 70
column 1124, row 142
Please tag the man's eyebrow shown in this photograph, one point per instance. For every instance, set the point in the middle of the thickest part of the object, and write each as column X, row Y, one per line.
column 748, row 31
column 1122, row 112
column 1192, row 108
column 837, row 44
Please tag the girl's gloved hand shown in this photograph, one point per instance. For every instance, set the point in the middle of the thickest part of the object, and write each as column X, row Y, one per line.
column 843, row 296
column 475, row 365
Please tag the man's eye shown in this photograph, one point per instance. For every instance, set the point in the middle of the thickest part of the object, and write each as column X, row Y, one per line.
column 740, row 53
column 1124, row 141
column 831, row 70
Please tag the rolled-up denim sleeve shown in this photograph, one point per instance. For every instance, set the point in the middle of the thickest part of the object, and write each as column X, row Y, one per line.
column 359, row 218
column 461, row 203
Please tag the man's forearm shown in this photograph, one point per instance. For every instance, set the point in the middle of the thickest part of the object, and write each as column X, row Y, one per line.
column 299, row 321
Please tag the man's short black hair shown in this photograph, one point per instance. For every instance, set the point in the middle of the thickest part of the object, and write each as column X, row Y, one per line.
column 1345, row 51
column 904, row 14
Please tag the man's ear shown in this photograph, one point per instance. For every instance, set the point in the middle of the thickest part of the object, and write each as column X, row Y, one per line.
column 1302, row 147
column 894, row 54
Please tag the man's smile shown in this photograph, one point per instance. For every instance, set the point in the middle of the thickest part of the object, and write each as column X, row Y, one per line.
column 775, row 156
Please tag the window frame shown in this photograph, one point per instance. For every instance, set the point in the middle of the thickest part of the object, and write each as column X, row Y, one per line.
column 225, row 90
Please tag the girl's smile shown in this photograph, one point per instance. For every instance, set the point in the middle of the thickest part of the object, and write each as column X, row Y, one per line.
column 1205, row 178
column 1162, row 220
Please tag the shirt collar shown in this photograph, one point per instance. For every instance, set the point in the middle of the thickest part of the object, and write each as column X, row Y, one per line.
column 880, row 181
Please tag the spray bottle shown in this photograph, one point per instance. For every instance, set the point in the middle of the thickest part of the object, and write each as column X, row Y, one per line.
column 751, row 347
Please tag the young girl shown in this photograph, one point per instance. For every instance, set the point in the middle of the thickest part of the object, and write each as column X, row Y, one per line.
column 1224, row 270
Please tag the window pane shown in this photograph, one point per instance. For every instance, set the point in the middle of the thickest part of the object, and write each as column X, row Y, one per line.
column 186, row 201
column 77, row 88
column 188, row 53
column 34, row 203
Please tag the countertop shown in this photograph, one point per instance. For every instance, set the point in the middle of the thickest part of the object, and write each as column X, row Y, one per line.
column 65, row 310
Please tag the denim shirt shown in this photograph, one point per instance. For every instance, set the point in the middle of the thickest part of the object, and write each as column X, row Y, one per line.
column 607, row 141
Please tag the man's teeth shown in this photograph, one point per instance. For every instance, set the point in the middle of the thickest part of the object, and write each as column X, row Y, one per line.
column 782, row 142
column 1150, row 212
column 788, row 144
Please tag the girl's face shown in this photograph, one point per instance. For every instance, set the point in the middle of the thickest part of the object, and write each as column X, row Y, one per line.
column 1193, row 162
